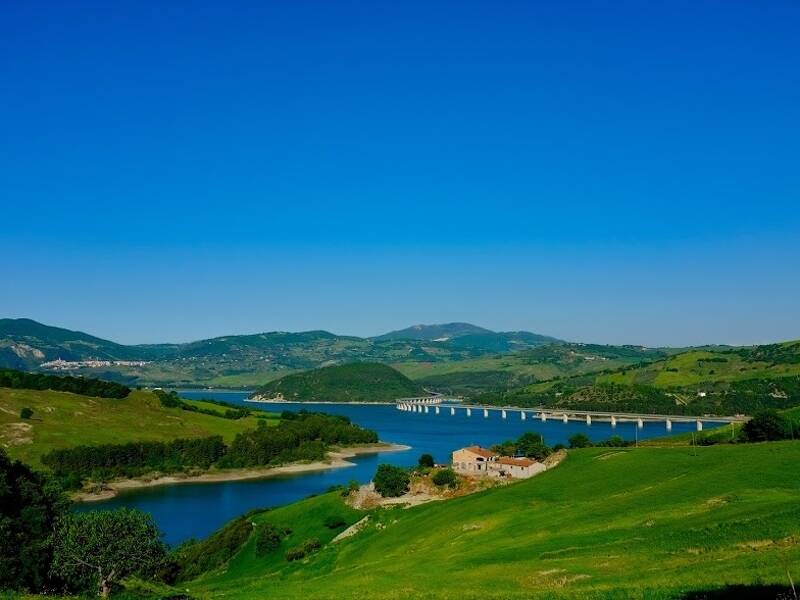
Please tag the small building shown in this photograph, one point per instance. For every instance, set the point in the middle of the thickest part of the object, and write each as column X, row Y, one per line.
column 518, row 468
column 475, row 460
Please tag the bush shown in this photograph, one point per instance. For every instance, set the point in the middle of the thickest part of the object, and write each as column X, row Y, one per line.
column 391, row 481
column 334, row 522
column 446, row 477
column 268, row 538
column 766, row 426
column 579, row 440
column 26, row 413
column 426, row 461
column 307, row 547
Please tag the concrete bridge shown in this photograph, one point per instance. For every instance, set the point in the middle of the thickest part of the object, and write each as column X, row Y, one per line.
column 423, row 405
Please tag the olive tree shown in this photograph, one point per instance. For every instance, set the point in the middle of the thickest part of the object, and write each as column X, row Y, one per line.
column 98, row 549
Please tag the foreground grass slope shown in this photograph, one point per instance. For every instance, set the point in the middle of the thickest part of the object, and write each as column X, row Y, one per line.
column 62, row 420
column 607, row 523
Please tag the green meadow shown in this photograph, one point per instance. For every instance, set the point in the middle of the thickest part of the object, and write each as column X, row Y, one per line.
column 62, row 419
column 607, row 523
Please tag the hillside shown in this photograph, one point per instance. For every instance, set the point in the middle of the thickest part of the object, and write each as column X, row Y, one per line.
column 726, row 381
column 62, row 419
column 356, row 382
column 607, row 523
column 505, row 371
column 433, row 332
column 236, row 360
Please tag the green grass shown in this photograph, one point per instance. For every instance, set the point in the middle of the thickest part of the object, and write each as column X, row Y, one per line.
column 63, row 420
column 607, row 523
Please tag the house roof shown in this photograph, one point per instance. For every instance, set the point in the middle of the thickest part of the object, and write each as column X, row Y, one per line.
column 518, row 462
column 480, row 451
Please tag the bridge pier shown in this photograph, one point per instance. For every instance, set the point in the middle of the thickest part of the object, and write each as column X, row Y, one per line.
column 426, row 409
column 613, row 421
column 503, row 413
column 669, row 425
column 543, row 416
column 437, row 410
column 588, row 419
column 485, row 413
column 469, row 412
column 565, row 418
column 452, row 411
column 699, row 425
column 639, row 423
column 522, row 415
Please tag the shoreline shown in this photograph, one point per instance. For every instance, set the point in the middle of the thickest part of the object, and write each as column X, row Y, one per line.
column 359, row 402
column 336, row 459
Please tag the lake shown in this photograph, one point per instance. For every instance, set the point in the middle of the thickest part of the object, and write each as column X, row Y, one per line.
column 196, row 510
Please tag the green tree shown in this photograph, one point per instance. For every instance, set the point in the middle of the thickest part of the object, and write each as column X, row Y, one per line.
column 391, row 481
column 532, row 445
column 766, row 426
column 30, row 505
column 98, row 549
column 26, row 413
column 579, row 440
column 446, row 477
column 426, row 461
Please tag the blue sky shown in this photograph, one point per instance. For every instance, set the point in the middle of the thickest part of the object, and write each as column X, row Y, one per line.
column 621, row 173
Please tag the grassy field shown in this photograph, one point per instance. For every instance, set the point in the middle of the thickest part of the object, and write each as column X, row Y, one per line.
column 62, row 420
column 607, row 523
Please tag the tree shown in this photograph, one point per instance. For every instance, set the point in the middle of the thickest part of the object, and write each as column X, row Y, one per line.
column 426, row 461
column 766, row 426
column 446, row 477
column 26, row 413
column 98, row 549
column 30, row 505
column 391, row 481
column 532, row 445
column 579, row 440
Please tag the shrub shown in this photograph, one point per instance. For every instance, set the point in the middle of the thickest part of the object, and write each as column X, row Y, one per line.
column 766, row 426
column 268, row 538
column 334, row 522
column 306, row 548
column 391, row 481
column 426, row 461
column 579, row 440
column 446, row 477
column 26, row 413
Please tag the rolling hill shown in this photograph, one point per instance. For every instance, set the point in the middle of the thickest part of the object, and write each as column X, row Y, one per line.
column 607, row 523
column 697, row 382
column 62, row 420
column 356, row 382
column 237, row 360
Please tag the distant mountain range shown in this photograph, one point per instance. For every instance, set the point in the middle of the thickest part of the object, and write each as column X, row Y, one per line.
column 244, row 360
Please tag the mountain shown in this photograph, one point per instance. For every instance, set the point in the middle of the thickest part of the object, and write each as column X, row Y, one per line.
column 355, row 382
column 25, row 344
column 235, row 360
column 431, row 333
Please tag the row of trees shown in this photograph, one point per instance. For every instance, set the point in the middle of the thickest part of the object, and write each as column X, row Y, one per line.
column 172, row 400
column 134, row 458
column 299, row 436
column 77, row 385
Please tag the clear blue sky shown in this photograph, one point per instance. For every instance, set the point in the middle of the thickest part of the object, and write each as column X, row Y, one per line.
column 623, row 172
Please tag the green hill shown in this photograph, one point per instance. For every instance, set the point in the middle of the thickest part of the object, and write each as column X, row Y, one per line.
column 695, row 382
column 608, row 523
column 356, row 382
column 63, row 420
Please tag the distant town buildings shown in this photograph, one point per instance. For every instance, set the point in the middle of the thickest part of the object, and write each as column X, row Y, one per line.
column 477, row 461
column 70, row 365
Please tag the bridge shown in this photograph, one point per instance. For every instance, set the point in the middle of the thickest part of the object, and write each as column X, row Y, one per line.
column 439, row 404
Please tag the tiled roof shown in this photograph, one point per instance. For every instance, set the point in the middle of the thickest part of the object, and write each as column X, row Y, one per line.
column 480, row 451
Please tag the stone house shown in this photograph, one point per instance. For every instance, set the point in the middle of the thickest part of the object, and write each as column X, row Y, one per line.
column 475, row 460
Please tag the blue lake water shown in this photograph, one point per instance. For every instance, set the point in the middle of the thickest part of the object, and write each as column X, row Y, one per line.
column 196, row 510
